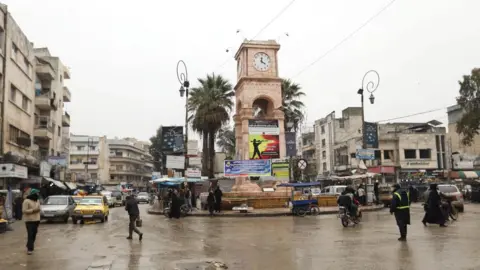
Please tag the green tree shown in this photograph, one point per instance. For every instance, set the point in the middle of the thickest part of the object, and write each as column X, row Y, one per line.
column 469, row 100
column 226, row 141
column 210, row 104
column 156, row 150
column 291, row 105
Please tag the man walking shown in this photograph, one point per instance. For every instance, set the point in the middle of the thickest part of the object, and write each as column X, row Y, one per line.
column 131, row 206
column 400, row 206
column 376, row 193
column 31, row 215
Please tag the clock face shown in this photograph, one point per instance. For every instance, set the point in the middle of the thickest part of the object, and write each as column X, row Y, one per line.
column 261, row 61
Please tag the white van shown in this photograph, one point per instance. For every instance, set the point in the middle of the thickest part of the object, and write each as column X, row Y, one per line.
column 333, row 190
column 112, row 200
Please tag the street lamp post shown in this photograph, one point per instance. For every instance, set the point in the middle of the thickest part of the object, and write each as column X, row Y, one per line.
column 370, row 85
column 182, row 76
column 290, row 165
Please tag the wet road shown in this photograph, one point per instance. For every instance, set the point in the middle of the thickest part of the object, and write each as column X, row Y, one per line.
column 250, row 243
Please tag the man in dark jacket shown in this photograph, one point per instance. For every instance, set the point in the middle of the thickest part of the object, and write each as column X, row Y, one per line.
column 400, row 206
column 131, row 206
column 218, row 199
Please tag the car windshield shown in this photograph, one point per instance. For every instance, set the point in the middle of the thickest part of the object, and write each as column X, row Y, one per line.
column 447, row 189
column 91, row 201
column 55, row 201
column 142, row 194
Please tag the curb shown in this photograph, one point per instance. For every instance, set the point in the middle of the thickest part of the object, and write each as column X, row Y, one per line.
column 253, row 214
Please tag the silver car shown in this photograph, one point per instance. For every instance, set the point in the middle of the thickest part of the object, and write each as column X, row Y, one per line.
column 143, row 197
column 57, row 207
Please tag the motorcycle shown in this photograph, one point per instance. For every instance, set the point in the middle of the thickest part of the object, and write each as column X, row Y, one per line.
column 346, row 218
column 449, row 209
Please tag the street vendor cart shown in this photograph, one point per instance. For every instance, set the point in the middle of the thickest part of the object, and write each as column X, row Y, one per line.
column 303, row 204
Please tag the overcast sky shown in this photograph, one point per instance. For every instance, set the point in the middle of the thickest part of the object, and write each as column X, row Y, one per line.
column 123, row 54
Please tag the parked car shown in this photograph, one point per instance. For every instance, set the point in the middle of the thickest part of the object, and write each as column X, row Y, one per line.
column 333, row 190
column 453, row 192
column 143, row 197
column 120, row 197
column 57, row 207
column 92, row 208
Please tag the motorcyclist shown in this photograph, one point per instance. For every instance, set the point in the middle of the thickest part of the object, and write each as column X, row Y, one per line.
column 348, row 201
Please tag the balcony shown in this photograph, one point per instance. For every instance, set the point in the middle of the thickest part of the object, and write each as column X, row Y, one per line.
column 43, row 128
column 66, row 73
column 114, row 158
column 44, row 101
column 84, row 152
column 45, row 72
column 65, row 120
column 81, row 166
column 67, row 96
column 141, row 172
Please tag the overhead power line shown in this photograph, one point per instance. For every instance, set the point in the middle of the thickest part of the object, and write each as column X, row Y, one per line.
column 410, row 115
column 345, row 39
column 262, row 29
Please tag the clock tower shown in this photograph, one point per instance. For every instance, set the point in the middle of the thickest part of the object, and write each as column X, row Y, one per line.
column 258, row 93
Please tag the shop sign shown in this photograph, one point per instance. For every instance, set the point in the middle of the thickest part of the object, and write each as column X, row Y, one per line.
column 253, row 167
column 13, row 170
column 420, row 164
column 365, row 154
column 194, row 172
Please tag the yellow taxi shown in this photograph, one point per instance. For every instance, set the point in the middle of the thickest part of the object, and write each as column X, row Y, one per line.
column 91, row 208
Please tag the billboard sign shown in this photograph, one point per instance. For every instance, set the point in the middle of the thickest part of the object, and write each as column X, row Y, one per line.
column 172, row 139
column 263, row 146
column 365, row 154
column 176, row 162
column 371, row 135
column 291, row 144
column 259, row 167
column 260, row 127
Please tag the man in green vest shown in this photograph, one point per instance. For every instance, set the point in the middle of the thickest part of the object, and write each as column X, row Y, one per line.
column 400, row 206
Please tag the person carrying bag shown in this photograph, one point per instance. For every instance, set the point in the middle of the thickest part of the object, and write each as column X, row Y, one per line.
column 131, row 206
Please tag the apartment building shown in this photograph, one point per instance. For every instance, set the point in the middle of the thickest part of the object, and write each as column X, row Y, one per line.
column 51, row 94
column 464, row 157
column 89, row 159
column 309, row 153
column 17, row 84
column 405, row 151
column 330, row 131
column 130, row 162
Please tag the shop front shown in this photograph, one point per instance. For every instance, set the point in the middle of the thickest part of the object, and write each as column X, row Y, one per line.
column 387, row 172
column 418, row 170
column 11, row 175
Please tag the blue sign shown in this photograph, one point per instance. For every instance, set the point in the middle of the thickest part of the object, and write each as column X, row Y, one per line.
column 252, row 167
column 365, row 154
column 371, row 135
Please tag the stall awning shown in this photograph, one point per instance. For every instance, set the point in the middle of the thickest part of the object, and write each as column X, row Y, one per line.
column 71, row 185
column 307, row 184
column 465, row 174
column 55, row 182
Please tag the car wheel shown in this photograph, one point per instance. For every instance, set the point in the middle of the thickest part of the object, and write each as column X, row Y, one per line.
column 102, row 220
column 65, row 220
column 106, row 217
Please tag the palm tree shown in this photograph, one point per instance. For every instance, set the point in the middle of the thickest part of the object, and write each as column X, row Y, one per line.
column 226, row 141
column 291, row 105
column 210, row 105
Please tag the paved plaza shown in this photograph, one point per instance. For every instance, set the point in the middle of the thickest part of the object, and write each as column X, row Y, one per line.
column 248, row 243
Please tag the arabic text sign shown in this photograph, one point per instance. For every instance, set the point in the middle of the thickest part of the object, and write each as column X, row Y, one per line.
column 365, row 154
column 256, row 167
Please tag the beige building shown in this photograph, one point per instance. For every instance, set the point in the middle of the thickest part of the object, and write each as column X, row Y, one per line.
column 464, row 157
column 130, row 162
column 50, row 97
column 17, row 82
column 89, row 159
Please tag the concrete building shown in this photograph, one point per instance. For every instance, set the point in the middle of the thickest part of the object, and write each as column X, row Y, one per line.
column 464, row 157
column 50, row 96
column 330, row 131
column 130, row 162
column 17, row 84
column 309, row 153
column 89, row 159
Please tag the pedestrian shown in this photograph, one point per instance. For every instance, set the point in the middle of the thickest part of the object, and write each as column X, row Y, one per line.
column 218, row 199
column 413, row 193
column 188, row 198
column 361, row 195
column 400, row 206
column 31, row 215
column 376, row 192
column 433, row 208
column 131, row 206
column 175, row 205
column 211, row 202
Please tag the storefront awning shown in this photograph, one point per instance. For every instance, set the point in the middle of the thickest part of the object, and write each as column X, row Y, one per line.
column 465, row 174
column 55, row 182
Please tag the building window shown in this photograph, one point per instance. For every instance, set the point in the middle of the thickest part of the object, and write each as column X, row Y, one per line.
column 16, row 133
column 27, row 65
column 324, row 154
column 410, row 153
column 119, row 167
column 324, row 165
column 425, row 153
column 353, row 155
column 323, row 143
column 341, row 123
column 378, row 154
column 322, row 129
column 25, row 102
column 93, row 161
column 14, row 52
column 93, row 175
column 61, row 78
column 80, row 147
column 92, row 147
column 386, row 154
column 13, row 93
column 59, row 131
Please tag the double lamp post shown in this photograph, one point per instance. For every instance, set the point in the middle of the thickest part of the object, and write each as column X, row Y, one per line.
column 182, row 76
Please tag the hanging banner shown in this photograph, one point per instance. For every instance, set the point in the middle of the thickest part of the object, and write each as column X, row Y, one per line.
column 268, row 127
column 263, row 146
column 247, row 168
column 291, row 144
column 280, row 169
column 172, row 139
column 371, row 135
